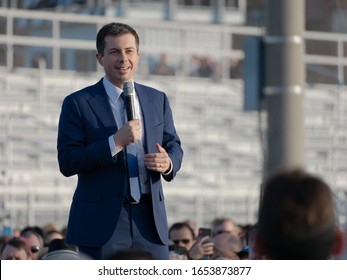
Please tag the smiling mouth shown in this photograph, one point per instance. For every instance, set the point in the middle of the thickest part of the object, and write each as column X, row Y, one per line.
column 123, row 68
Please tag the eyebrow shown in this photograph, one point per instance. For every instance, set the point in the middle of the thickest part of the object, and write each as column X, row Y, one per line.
column 117, row 49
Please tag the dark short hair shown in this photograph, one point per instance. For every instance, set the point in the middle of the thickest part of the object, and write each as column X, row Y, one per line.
column 36, row 231
column 296, row 217
column 114, row 29
column 178, row 226
column 17, row 242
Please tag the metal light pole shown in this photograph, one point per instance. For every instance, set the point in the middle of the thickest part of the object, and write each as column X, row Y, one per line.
column 284, row 81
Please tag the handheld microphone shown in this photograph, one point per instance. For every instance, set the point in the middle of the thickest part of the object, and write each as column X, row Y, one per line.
column 129, row 99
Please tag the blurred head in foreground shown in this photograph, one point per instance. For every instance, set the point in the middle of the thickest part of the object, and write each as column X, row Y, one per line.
column 297, row 218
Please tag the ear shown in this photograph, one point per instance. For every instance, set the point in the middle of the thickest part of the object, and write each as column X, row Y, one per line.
column 99, row 58
column 338, row 243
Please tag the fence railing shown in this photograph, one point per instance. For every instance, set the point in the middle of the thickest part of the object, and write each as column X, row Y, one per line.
column 60, row 37
column 66, row 41
column 62, row 41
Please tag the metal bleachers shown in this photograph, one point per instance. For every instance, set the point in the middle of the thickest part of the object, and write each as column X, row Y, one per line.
column 207, row 124
column 223, row 162
column 222, row 167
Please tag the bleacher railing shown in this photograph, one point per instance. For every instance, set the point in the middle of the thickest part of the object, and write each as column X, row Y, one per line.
column 60, row 41
column 58, row 36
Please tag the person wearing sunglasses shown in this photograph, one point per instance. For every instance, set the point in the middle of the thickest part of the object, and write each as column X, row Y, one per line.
column 34, row 239
column 182, row 234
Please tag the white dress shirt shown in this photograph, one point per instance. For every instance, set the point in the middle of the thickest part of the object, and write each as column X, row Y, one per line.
column 118, row 109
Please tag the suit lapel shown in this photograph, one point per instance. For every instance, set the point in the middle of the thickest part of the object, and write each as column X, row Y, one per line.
column 101, row 106
column 146, row 104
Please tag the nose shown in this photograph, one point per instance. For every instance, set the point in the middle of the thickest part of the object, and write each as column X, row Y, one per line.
column 122, row 56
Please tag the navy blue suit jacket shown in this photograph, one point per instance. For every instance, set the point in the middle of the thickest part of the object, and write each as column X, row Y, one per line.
column 86, row 122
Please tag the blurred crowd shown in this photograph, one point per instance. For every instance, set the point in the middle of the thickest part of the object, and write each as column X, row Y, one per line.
column 203, row 66
column 296, row 220
column 223, row 240
column 226, row 241
column 37, row 243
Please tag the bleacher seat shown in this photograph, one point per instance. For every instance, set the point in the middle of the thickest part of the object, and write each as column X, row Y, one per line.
column 222, row 167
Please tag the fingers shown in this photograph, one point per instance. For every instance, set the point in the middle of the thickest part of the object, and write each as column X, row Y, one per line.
column 160, row 149
column 159, row 162
column 129, row 133
column 134, row 130
column 207, row 247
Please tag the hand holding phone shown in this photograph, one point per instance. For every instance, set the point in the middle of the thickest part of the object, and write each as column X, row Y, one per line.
column 202, row 232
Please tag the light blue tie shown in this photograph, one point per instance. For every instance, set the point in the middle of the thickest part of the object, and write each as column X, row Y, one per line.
column 133, row 170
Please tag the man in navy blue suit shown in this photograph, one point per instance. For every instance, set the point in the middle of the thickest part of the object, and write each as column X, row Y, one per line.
column 93, row 138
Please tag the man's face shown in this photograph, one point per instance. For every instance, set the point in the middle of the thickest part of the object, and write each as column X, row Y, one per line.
column 182, row 237
column 120, row 58
column 34, row 243
column 228, row 227
column 13, row 253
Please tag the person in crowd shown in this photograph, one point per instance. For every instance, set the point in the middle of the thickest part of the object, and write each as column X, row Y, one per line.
column 242, row 234
column 118, row 202
column 203, row 248
column 194, row 66
column 181, row 234
column 296, row 219
column 58, row 249
column 41, row 254
column 222, row 225
column 243, row 254
column 206, row 68
column 53, row 234
column 228, row 245
column 192, row 225
column 37, row 229
column 235, row 69
column 49, row 227
column 226, row 255
column 177, row 252
column 33, row 235
column 3, row 240
column 16, row 248
column 163, row 67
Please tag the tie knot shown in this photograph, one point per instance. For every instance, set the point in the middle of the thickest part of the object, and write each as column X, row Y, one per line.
column 121, row 99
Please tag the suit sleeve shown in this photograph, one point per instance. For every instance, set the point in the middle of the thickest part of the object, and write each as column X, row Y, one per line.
column 171, row 141
column 75, row 153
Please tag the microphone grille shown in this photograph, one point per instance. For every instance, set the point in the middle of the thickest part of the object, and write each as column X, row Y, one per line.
column 128, row 88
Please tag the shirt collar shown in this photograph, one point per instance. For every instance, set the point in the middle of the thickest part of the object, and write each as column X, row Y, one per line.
column 112, row 91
